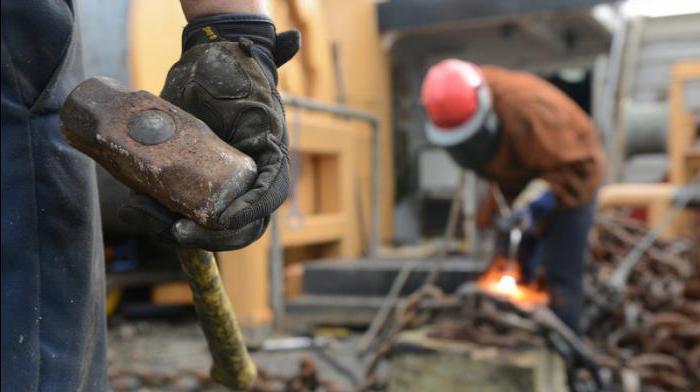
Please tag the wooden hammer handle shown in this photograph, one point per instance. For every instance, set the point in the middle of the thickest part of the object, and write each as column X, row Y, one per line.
column 232, row 366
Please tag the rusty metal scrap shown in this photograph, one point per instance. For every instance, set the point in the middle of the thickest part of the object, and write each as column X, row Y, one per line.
column 649, row 339
column 654, row 332
column 485, row 319
column 489, row 326
column 133, row 378
column 306, row 379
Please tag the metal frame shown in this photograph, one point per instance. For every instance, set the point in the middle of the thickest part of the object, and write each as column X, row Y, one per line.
column 276, row 254
column 350, row 113
column 419, row 14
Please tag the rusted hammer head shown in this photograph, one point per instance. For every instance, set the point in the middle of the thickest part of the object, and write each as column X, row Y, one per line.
column 157, row 149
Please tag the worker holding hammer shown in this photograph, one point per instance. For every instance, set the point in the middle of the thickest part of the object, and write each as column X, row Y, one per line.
column 512, row 128
column 53, row 319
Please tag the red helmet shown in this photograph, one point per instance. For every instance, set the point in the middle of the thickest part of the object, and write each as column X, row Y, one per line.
column 457, row 100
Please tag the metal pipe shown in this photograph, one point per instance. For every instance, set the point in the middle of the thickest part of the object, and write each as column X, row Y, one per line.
column 470, row 205
column 276, row 265
column 350, row 113
column 390, row 301
column 380, row 319
column 623, row 271
column 450, row 231
column 610, row 96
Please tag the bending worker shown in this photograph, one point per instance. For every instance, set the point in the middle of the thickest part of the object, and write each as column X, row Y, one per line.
column 512, row 128
column 53, row 283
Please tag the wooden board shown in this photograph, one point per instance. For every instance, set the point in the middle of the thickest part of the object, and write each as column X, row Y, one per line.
column 155, row 28
column 172, row 293
column 682, row 133
column 245, row 276
column 293, row 275
column 364, row 67
column 656, row 198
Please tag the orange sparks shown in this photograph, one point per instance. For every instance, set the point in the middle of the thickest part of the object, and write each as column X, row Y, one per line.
column 501, row 279
column 507, row 284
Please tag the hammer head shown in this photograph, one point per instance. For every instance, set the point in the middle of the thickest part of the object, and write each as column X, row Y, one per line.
column 157, row 149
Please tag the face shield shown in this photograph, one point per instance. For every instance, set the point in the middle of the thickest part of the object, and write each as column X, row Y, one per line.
column 474, row 142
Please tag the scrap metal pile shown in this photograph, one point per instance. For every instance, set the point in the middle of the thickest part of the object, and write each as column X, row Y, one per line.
column 135, row 378
column 645, row 338
column 306, row 379
column 652, row 336
column 475, row 315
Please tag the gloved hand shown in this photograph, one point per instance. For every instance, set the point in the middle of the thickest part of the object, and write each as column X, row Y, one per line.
column 543, row 206
column 519, row 219
column 227, row 77
column 527, row 218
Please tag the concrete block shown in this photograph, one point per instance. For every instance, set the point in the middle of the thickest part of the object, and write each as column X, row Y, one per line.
column 420, row 363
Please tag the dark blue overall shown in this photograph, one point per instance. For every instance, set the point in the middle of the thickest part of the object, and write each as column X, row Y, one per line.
column 53, row 323
column 562, row 251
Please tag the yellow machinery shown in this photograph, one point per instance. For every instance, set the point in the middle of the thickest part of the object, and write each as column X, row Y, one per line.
column 329, row 211
column 684, row 157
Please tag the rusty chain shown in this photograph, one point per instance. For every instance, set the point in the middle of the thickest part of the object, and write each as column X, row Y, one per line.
column 487, row 320
column 653, row 335
column 651, row 339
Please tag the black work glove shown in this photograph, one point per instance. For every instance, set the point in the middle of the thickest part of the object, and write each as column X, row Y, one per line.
column 227, row 77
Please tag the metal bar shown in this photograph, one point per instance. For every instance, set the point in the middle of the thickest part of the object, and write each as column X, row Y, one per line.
column 390, row 301
column 388, row 305
column 620, row 275
column 421, row 14
column 469, row 203
column 340, row 96
column 450, row 230
column 609, row 96
column 350, row 113
column 276, row 274
column 503, row 208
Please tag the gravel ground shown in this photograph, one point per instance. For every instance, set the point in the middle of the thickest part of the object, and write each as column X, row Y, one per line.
column 161, row 347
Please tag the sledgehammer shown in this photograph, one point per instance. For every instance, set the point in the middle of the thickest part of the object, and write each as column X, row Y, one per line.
column 160, row 150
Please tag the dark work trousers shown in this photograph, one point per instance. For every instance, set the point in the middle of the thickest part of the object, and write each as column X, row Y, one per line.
column 53, row 322
column 562, row 251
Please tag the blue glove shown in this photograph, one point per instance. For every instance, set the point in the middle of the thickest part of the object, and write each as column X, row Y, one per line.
column 521, row 218
column 526, row 218
column 537, row 210
column 543, row 206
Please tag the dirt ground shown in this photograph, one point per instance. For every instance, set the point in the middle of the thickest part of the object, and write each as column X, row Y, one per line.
column 178, row 347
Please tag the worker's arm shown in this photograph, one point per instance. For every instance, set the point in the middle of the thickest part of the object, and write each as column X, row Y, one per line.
column 227, row 77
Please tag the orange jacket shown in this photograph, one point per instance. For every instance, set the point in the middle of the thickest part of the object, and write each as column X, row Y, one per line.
column 544, row 134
